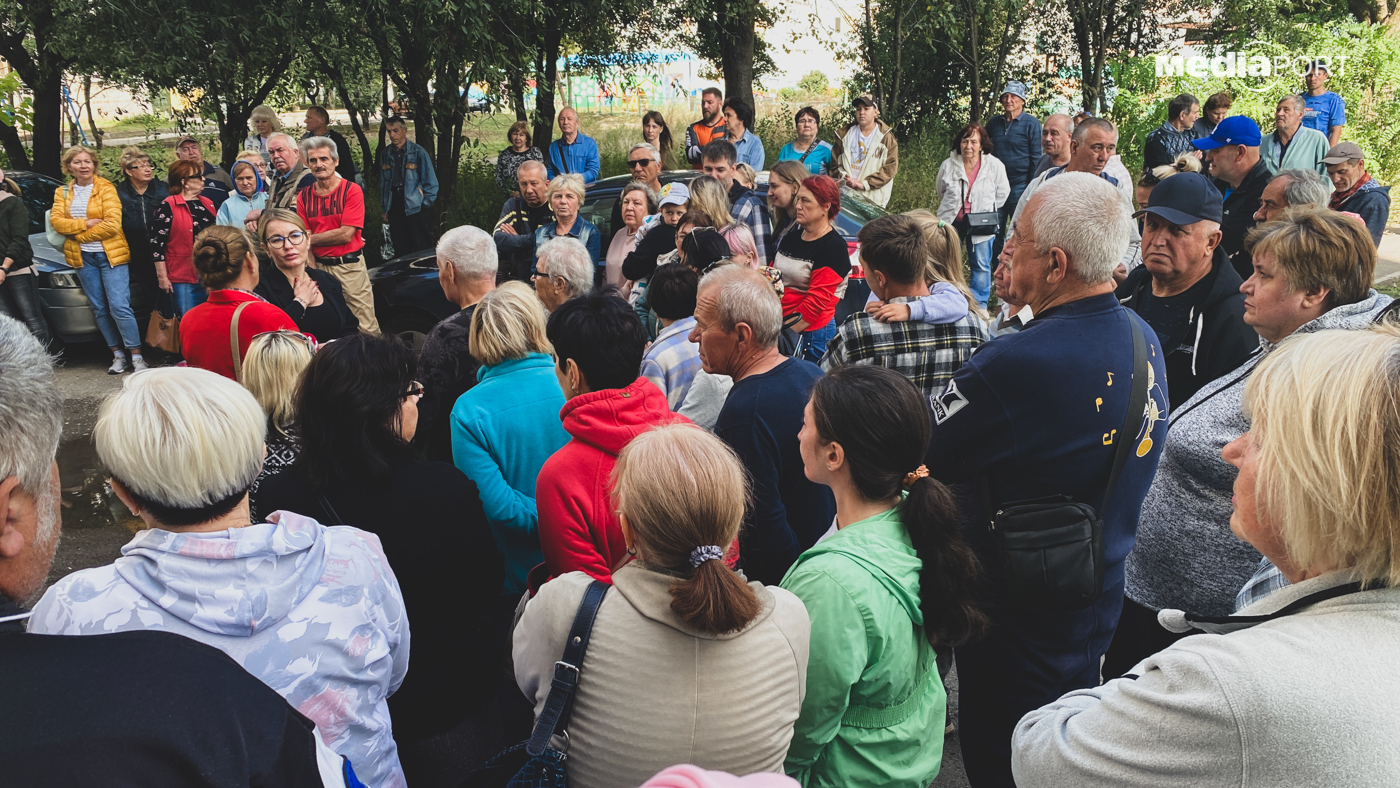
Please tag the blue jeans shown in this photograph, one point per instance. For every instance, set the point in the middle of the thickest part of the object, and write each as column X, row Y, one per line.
column 188, row 297
column 813, row 345
column 979, row 261
column 108, row 289
column 1007, row 208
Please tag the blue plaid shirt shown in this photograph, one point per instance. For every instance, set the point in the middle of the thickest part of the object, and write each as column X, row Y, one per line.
column 1266, row 580
column 672, row 361
column 751, row 211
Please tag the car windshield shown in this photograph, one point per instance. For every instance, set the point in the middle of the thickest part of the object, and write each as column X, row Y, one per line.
column 37, row 193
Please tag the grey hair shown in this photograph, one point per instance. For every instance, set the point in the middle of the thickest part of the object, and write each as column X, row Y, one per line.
column 638, row 186
column 1081, row 132
column 1297, row 101
column 745, row 296
column 647, row 146
column 291, row 143
column 1084, row 216
column 264, row 112
column 567, row 258
column 532, row 165
column 1305, row 188
column 470, row 250
column 31, row 420
column 319, row 143
column 567, row 182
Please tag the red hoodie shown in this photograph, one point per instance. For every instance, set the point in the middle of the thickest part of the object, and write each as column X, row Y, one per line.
column 579, row 529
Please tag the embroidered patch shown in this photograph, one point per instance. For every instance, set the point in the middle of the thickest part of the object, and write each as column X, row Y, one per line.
column 946, row 404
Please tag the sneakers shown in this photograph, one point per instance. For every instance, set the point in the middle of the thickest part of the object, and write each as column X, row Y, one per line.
column 138, row 364
column 119, row 366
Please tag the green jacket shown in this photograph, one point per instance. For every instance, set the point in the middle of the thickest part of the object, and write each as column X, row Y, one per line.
column 874, row 711
column 1305, row 152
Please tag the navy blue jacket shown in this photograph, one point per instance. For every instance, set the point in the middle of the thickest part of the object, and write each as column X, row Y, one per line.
column 1371, row 202
column 1040, row 413
column 1017, row 144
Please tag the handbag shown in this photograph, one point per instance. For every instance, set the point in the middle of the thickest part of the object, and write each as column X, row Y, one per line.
column 233, row 342
column 534, row 763
column 1052, row 548
column 55, row 238
column 984, row 223
column 164, row 332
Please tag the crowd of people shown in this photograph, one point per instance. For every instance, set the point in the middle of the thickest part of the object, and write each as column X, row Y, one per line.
column 662, row 508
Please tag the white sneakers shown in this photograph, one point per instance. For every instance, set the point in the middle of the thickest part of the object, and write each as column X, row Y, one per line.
column 119, row 366
column 139, row 364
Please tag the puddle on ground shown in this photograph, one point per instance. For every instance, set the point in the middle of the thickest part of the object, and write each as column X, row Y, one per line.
column 88, row 501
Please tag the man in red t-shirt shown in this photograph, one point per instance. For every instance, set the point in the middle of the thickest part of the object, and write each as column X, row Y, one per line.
column 334, row 211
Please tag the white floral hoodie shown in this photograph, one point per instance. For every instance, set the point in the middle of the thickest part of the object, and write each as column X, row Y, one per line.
column 312, row 610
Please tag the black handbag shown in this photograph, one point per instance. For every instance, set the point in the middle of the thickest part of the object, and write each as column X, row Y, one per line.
column 1052, row 548
column 533, row 763
column 985, row 223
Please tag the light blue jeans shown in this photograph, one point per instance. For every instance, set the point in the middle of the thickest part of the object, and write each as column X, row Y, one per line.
column 108, row 289
column 188, row 297
column 814, row 342
column 979, row 260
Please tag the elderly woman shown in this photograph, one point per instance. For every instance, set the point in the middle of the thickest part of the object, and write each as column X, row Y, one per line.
column 563, row 270
column 972, row 180
column 88, row 212
column 1272, row 696
column 356, row 415
column 565, row 197
column 813, row 154
column 310, row 296
column 183, row 446
column 719, row 664
column 895, row 582
column 522, row 149
column 224, row 258
column 638, row 202
column 264, row 124
column 141, row 195
column 271, row 369
column 1312, row 272
column 178, row 220
column 249, row 194
column 814, row 263
column 18, row 296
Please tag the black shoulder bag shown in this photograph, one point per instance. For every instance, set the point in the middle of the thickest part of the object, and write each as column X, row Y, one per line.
column 534, row 763
column 1052, row 548
column 984, row 223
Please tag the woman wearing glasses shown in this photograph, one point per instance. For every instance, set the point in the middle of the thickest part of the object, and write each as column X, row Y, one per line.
column 310, row 296
column 139, row 204
column 178, row 220
column 233, row 312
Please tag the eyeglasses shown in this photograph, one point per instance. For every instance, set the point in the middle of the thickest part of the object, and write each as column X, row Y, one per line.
column 199, row 178
column 538, row 274
column 415, row 389
column 637, row 163
column 294, row 237
column 141, row 166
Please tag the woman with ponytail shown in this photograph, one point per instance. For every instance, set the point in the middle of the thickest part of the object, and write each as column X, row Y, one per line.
column 228, row 268
column 891, row 586
column 687, row 662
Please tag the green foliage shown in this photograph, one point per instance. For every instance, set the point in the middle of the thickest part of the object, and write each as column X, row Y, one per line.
column 814, row 82
column 21, row 114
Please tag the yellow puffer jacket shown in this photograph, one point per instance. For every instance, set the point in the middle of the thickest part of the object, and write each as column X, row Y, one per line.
column 106, row 205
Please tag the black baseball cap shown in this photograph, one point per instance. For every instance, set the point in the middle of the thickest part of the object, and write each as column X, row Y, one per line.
column 1184, row 198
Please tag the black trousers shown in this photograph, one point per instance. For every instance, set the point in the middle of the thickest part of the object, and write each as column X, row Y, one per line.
column 408, row 233
column 19, row 298
column 1138, row 637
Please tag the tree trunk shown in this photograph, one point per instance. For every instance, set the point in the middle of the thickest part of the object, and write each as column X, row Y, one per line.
column 48, row 123
column 975, row 49
column 736, row 21
column 546, row 83
column 516, row 81
column 14, row 147
column 87, row 107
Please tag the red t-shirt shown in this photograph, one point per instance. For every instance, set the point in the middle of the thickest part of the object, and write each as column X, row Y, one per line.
column 344, row 207
column 204, row 330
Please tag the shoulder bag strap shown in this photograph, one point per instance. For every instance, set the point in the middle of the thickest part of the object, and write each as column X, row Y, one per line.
column 1137, row 404
column 563, row 159
column 557, row 707
column 233, row 342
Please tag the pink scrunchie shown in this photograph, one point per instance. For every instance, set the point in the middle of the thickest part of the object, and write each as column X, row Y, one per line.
column 688, row 776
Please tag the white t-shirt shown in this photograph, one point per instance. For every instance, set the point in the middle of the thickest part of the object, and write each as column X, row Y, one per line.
column 78, row 210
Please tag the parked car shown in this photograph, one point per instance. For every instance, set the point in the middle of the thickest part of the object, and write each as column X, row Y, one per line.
column 409, row 302
column 61, row 297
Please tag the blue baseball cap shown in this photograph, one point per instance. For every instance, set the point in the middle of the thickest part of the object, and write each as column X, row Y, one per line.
column 1234, row 130
column 1184, row 198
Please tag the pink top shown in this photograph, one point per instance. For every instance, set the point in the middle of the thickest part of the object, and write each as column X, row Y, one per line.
column 967, row 198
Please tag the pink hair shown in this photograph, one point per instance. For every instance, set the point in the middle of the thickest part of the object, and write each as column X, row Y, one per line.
column 741, row 243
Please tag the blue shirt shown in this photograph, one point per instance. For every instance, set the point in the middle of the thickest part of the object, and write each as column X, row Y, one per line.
column 1017, row 144
column 583, row 230
column 580, row 158
column 818, row 156
column 750, row 149
column 1324, row 112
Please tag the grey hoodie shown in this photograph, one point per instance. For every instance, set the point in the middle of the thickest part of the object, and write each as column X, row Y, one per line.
column 1186, row 556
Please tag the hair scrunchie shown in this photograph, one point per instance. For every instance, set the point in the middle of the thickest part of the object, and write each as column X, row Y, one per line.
column 709, row 552
column 915, row 475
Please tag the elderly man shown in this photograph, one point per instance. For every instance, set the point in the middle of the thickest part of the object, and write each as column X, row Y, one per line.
column 1291, row 145
column 710, row 126
column 520, row 217
column 1353, row 189
column 75, row 712
column 895, row 257
column 289, row 175
column 1186, row 289
column 1232, row 153
column 334, row 211
column 574, row 152
column 318, row 124
column 1292, row 189
column 217, row 183
column 1326, row 111
column 746, row 206
column 1014, row 314
column 1055, row 139
column 1037, row 414
column 467, row 262
column 1016, row 140
column 738, row 320
column 407, row 185
column 563, row 270
column 1175, row 135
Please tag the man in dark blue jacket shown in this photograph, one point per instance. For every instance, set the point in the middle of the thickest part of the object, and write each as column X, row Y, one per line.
column 1016, row 141
column 1040, row 413
column 1355, row 191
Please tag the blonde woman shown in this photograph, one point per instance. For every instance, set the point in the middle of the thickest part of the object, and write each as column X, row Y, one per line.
column 1186, row 162
column 264, row 124
column 88, row 212
column 744, row 175
column 1275, row 691
column 687, row 662
column 949, row 299
column 783, row 182
column 271, row 369
column 709, row 196
column 565, row 197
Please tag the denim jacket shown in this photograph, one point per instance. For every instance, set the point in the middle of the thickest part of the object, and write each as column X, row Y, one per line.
column 583, row 230
column 420, row 183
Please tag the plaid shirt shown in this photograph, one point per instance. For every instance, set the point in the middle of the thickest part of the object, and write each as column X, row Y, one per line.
column 927, row 354
column 1266, row 580
column 752, row 212
column 672, row 361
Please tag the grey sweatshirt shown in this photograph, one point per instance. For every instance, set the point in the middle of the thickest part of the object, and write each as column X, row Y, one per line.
column 1304, row 700
column 1186, row 556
